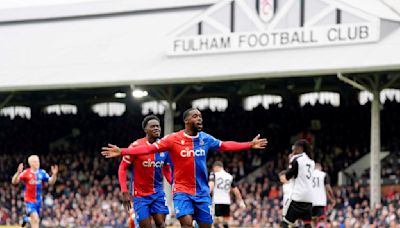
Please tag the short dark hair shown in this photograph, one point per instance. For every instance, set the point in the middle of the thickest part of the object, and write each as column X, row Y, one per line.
column 186, row 112
column 305, row 145
column 218, row 163
column 147, row 119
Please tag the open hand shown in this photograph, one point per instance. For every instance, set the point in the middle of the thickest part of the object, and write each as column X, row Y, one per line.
column 258, row 143
column 20, row 168
column 54, row 169
column 111, row 151
column 126, row 201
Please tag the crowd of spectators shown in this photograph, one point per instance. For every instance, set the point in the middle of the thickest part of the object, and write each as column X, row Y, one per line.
column 390, row 169
column 263, row 198
column 264, row 208
column 87, row 192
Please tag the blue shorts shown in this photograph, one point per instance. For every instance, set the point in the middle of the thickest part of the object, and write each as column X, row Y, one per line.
column 145, row 206
column 33, row 207
column 198, row 206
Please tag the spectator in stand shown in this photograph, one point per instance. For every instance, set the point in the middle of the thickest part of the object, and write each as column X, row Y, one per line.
column 88, row 194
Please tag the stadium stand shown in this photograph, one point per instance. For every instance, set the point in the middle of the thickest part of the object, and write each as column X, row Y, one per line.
column 87, row 192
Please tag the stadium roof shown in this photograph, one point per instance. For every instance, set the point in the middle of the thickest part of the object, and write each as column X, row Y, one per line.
column 11, row 10
column 117, row 50
column 30, row 10
column 288, row 88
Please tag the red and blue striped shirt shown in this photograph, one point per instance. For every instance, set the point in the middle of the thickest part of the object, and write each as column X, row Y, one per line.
column 33, row 184
column 188, row 155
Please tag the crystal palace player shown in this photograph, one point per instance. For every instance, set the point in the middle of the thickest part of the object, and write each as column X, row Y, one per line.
column 34, row 177
column 147, row 172
column 188, row 149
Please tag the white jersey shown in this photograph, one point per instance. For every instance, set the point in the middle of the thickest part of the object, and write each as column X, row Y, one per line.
column 318, row 186
column 287, row 191
column 302, row 169
column 223, row 182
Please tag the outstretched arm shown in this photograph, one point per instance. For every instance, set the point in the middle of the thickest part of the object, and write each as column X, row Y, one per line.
column 256, row 143
column 234, row 146
column 114, row 151
column 15, row 178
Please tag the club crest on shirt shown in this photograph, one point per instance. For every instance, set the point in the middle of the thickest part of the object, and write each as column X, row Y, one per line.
column 183, row 142
column 162, row 154
column 201, row 142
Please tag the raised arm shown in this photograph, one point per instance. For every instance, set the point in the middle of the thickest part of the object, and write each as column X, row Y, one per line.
column 256, row 143
column 15, row 178
column 53, row 178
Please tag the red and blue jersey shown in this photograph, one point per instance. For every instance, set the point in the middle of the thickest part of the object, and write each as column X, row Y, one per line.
column 188, row 155
column 148, row 170
column 33, row 184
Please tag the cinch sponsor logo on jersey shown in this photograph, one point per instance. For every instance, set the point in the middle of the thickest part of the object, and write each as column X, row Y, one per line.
column 35, row 182
column 149, row 163
column 192, row 153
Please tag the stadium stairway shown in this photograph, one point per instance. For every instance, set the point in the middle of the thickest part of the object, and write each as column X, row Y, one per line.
column 251, row 177
column 64, row 141
column 357, row 168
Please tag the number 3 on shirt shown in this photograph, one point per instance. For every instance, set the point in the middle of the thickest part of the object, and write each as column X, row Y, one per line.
column 308, row 171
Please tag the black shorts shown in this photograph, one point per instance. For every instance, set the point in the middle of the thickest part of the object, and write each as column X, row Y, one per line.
column 318, row 212
column 223, row 210
column 299, row 210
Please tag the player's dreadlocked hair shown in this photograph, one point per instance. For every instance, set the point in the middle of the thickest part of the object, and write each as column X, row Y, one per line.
column 186, row 113
column 305, row 145
column 147, row 119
